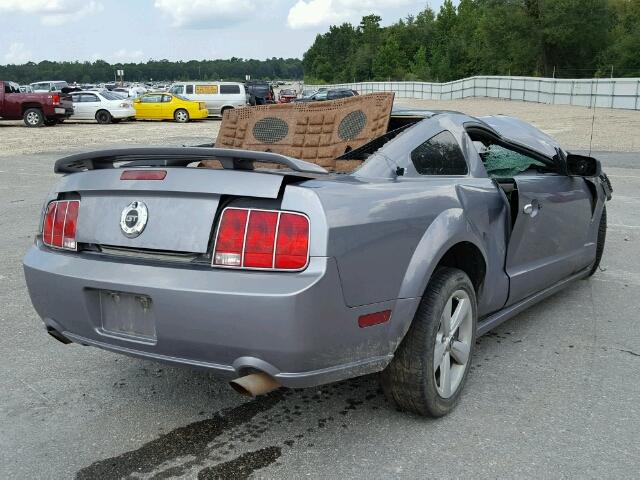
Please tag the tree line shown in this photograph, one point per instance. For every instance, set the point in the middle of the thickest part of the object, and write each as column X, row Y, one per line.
column 155, row 70
column 561, row 38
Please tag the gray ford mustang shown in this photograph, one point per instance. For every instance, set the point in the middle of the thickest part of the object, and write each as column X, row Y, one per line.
column 296, row 277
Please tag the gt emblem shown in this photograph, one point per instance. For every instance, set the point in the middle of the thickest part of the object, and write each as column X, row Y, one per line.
column 133, row 219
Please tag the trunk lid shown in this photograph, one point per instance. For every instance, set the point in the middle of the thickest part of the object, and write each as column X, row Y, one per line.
column 181, row 208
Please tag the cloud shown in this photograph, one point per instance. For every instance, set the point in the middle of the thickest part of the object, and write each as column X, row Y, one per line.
column 127, row 56
column 17, row 54
column 208, row 13
column 53, row 13
column 315, row 13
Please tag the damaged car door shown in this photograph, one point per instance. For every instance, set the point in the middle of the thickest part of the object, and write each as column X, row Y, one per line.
column 551, row 214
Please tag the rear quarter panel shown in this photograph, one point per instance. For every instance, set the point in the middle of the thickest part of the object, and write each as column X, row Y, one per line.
column 387, row 235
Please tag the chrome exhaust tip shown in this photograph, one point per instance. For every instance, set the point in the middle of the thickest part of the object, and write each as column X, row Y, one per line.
column 255, row 384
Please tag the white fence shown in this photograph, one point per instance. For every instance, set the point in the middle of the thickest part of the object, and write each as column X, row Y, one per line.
column 601, row 92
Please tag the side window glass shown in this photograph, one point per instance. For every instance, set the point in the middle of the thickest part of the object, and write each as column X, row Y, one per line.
column 440, row 155
column 177, row 89
column 229, row 89
column 89, row 98
column 189, row 89
column 166, row 98
column 500, row 162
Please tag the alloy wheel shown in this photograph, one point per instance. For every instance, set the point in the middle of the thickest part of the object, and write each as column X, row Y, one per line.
column 453, row 343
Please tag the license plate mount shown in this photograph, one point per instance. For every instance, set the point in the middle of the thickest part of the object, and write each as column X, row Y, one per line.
column 128, row 315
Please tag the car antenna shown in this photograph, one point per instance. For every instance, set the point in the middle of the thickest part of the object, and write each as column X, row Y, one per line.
column 593, row 115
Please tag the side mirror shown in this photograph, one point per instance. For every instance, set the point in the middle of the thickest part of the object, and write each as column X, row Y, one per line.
column 583, row 166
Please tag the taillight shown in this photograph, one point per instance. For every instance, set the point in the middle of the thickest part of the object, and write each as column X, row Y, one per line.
column 55, row 99
column 262, row 239
column 59, row 227
column 143, row 175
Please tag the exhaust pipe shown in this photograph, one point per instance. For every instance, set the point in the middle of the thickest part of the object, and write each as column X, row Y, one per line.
column 58, row 336
column 255, row 384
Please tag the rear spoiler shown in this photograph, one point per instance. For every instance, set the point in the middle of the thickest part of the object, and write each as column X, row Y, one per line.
column 177, row 157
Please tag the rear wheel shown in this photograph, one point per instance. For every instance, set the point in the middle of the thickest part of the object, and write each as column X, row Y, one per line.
column 181, row 116
column 103, row 117
column 602, row 235
column 33, row 117
column 431, row 364
column 224, row 109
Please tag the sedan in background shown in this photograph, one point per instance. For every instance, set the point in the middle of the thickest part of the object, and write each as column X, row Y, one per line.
column 167, row 106
column 287, row 95
column 334, row 94
column 103, row 107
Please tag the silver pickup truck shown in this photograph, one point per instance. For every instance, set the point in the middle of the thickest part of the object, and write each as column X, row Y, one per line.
column 296, row 277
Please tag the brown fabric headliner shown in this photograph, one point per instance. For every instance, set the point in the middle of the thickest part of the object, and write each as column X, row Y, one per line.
column 317, row 132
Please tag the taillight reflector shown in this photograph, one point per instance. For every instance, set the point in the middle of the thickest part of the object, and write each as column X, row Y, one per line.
column 261, row 234
column 143, row 175
column 60, row 222
column 55, row 99
column 262, row 239
column 293, row 242
column 376, row 318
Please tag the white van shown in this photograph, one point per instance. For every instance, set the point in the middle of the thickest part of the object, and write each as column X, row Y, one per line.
column 218, row 96
column 49, row 86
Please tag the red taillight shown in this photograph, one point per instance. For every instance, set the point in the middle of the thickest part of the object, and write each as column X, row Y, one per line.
column 143, row 175
column 230, row 240
column 376, row 318
column 261, row 234
column 55, row 99
column 60, row 221
column 262, row 239
column 293, row 242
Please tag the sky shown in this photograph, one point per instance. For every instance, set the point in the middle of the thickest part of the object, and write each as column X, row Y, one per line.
column 138, row 30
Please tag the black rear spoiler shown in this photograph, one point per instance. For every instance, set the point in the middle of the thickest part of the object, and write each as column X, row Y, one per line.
column 177, row 157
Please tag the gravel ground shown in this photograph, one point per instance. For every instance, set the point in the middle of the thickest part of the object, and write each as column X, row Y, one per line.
column 570, row 125
column 553, row 393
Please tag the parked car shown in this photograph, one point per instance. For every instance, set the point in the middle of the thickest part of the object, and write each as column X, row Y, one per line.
column 333, row 94
column 49, row 86
column 168, row 106
column 129, row 92
column 260, row 93
column 298, row 277
column 104, row 107
column 217, row 96
column 287, row 95
column 35, row 109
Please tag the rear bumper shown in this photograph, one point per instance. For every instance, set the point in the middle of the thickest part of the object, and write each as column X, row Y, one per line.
column 122, row 112
column 295, row 327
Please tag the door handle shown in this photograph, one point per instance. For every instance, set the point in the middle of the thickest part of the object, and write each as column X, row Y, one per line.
column 532, row 208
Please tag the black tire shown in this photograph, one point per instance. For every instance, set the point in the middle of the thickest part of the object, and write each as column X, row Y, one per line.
column 224, row 109
column 50, row 122
column 602, row 235
column 181, row 115
column 409, row 380
column 103, row 117
column 33, row 118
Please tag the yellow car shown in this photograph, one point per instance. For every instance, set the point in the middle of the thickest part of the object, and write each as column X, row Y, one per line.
column 167, row 106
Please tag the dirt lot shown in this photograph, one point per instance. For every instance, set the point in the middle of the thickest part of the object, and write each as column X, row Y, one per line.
column 570, row 125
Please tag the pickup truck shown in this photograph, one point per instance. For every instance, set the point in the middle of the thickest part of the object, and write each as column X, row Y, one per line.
column 36, row 109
